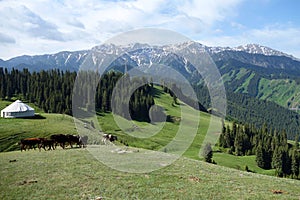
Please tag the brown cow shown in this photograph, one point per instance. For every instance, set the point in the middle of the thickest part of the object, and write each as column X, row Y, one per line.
column 47, row 143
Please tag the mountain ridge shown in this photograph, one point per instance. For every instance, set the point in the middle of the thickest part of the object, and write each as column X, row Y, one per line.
column 253, row 49
column 243, row 69
column 71, row 60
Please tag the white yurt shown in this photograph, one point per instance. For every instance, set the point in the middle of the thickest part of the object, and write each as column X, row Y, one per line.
column 17, row 109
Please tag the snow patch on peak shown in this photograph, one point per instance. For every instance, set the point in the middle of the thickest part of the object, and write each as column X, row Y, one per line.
column 259, row 49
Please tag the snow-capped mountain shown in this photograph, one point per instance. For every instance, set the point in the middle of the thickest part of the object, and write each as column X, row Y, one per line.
column 63, row 60
column 243, row 67
column 145, row 54
column 251, row 49
column 258, row 49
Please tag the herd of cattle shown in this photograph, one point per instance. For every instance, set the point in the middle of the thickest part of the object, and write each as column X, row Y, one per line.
column 58, row 139
column 62, row 140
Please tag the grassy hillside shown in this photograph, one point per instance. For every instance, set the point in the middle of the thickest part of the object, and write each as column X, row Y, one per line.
column 283, row 91
column 240, row 162
column 75, row 174
column 13, row 130
column 186, row 123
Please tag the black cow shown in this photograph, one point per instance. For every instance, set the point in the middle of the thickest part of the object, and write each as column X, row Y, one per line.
column 47, row 143
column 74, row 139
column 112, row 138
column 60, row 139
column 29, row 143
column 109, row 137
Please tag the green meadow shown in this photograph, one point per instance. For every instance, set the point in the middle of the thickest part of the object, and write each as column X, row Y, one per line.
column 77, row 174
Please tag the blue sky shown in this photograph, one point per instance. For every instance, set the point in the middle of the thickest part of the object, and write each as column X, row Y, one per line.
column 49, row 26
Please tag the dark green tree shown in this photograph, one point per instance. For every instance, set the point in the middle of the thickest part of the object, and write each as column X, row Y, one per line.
column 277, row 161
column 238, row 142
column 295, row 163
column 297, row 141
column 260, row 160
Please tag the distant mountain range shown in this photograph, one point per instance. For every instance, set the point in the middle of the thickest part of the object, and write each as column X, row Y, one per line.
column 255, row 70
column 63, row 60
column 67, row 60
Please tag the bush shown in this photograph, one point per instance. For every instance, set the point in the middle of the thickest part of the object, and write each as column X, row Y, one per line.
column 207, row 153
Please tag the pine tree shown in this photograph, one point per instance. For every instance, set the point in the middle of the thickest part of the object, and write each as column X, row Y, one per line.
column 297, row 141
column 238, row 142
column 277, row 161
column 260, row 156
column 295, row 163
column 286, row 160
column 227, row 137
column 222, row 141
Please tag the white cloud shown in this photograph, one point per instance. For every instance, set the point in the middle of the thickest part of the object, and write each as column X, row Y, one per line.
column 47, row 26
column 286, row 39
column 22, row 21
column 280, row 37
column 209, row 11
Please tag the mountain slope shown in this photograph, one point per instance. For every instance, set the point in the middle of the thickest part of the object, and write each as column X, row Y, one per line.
column 255, row 70
column 76, row 174
column 277, row 85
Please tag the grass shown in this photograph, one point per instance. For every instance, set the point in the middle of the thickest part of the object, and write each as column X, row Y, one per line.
column 176, row 138
column 159, row 141
column 76, row 174
column 244, row 87
column 192, row 128
column 240, row 162
column 284, row 92
column 281, row 91
column 12, row 130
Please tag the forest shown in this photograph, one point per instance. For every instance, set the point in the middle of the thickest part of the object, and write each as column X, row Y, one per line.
column 271, row 147
column 52, row 91
column 244, row 109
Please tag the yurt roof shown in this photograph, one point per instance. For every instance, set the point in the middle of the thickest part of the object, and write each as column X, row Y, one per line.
column 17, row 106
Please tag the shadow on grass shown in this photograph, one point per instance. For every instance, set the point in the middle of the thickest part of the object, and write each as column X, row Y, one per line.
column 36, row 116
column 173, row 119
column 156, row 93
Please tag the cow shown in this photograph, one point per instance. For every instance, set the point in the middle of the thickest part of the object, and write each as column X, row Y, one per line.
column 60, row 139
column 109, row 137
column 47, row 143
column 74, row 139
column 83, row 140
column 112, row 138
column 29, row 143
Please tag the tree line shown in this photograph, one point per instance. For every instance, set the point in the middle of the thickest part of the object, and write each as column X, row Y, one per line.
column 49, row 90
column 52, row 91
column 271, row 147
column 243, row 108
